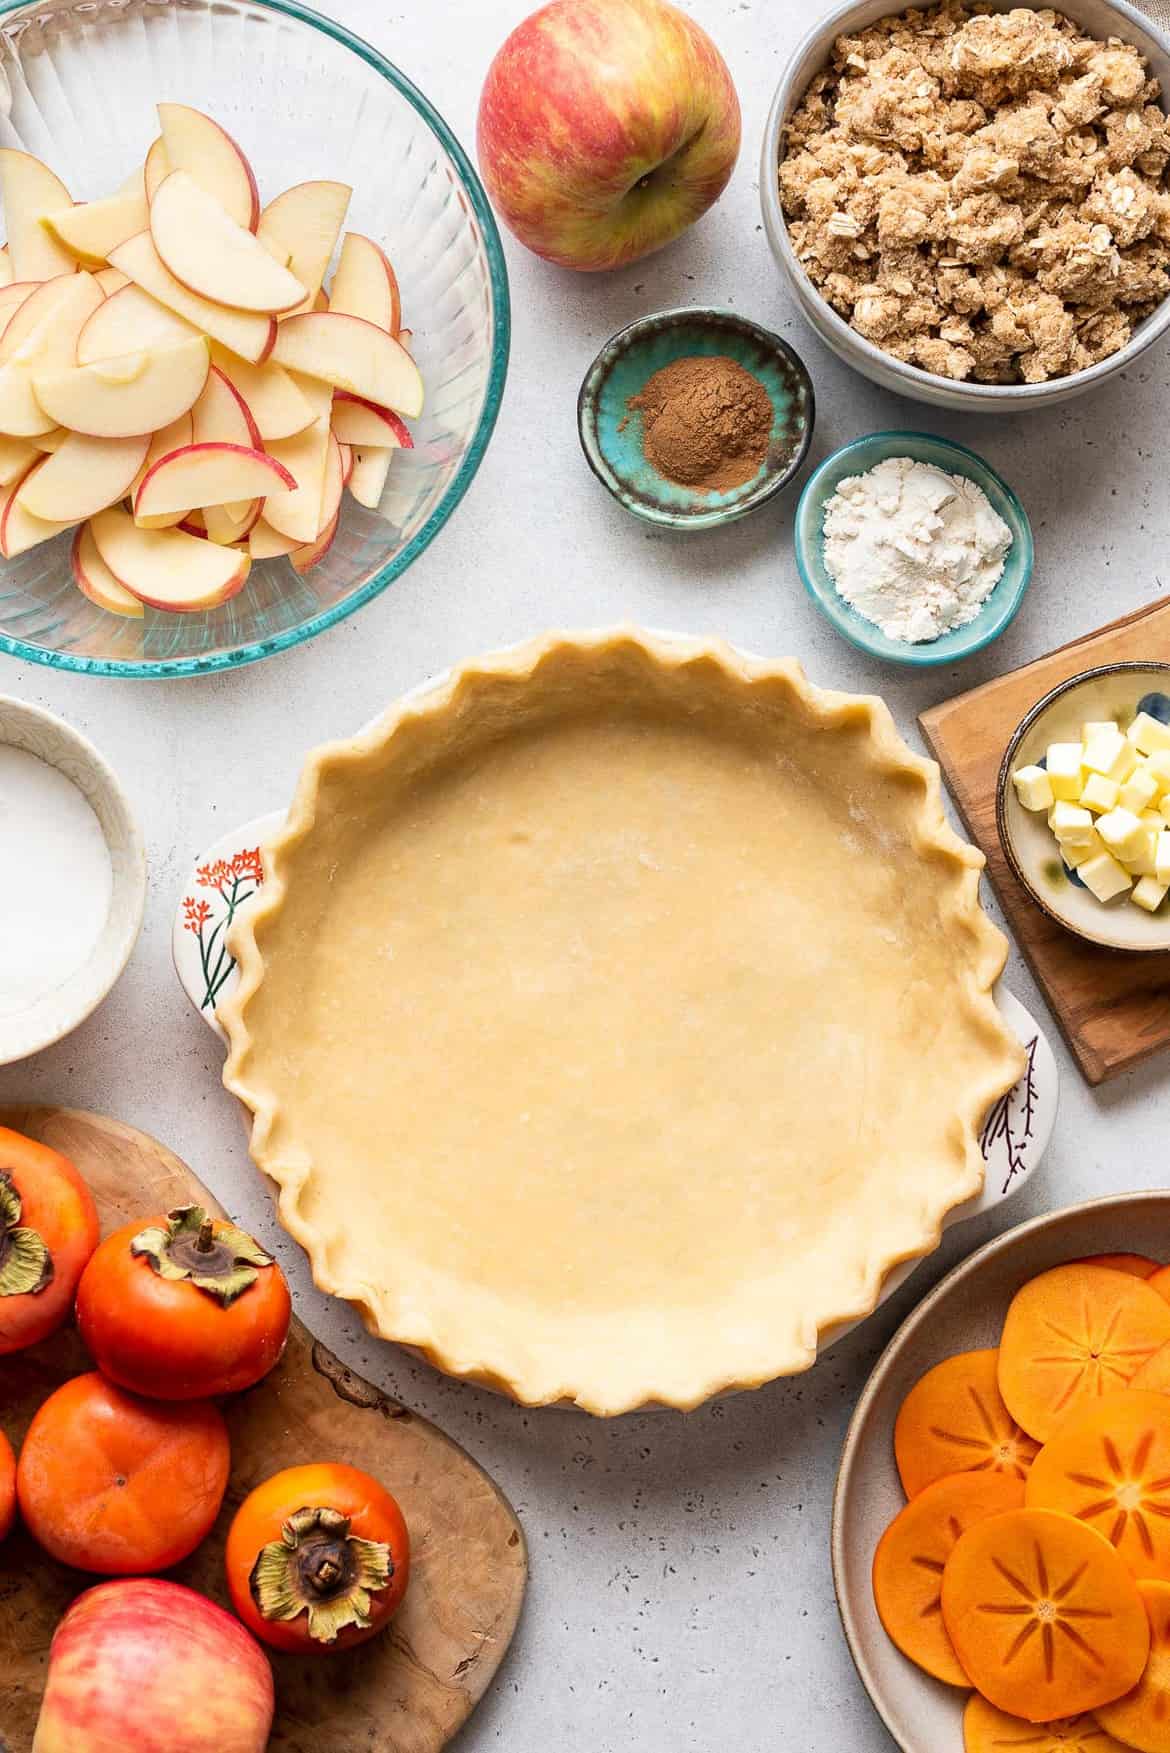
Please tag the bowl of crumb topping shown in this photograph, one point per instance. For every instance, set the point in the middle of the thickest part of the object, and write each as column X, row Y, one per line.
column 971, row 202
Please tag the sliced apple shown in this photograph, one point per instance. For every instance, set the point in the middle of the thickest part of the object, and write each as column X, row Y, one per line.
column 82, row 477
column 29, row 190
column 297, row 514
column 12, row 297
column 204, row 475
column 223, row 527
column 94, row 579
column 168, row 569
column 221, row 415
column 47, row 442
column 19, row 529
column 6, row 274
column 92, row 229
column 155, row 168
column 359, row 422
column 271, row 396
column 346, row 462
column 311, row 553
column 17, row 455
column 51, row 318
column 209, row 254
column 406, row 339
column 194, row 143
column 300, row 229
column 125, row 397
column 265, row 543
column 247, row 333
column 110, row 280
column 351, row 354
column 368, row 481
column 365, row 285
column 129, row 320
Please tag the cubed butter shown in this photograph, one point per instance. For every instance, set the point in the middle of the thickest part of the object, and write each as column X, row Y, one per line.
column 1139, row 791
column 1158, row 767
column 1165, row 807
column 1075, row 856
column 1148, row 734
column 1104, row 877
column 1096, row 727
column 1122, row 832
column 1103, row 751
column 1033, row 788
column 1143, row 861
column 1150, row 893
column 1126, row 763
column 1072, row 825
column 1100, row 794
column 1162, row 857
column 1065, row 773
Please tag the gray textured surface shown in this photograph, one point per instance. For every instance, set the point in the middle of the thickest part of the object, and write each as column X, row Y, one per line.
column 681, row 1595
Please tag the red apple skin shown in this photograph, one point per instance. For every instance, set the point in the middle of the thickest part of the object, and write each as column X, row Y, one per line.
column 606, row 127
column 395, row 422
column 146, row 1664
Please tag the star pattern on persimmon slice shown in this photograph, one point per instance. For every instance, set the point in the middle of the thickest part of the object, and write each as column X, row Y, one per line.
column 1045, row 1611
column 954, row 1421
column 1095, row 1361
column 988, row 1730
column 1111, row 1470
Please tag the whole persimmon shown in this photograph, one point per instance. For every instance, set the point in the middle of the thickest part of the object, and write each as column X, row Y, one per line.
column 48, row 1230
column 183, row 1307
column 111, row 1483
column 318, row 1558
column 7, row 1486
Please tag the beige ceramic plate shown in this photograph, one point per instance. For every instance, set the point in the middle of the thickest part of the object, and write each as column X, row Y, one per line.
column 963, row 1313
column 1113, row 691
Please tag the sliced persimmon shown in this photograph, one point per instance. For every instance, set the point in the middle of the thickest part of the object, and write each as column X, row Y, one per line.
column 1137, row 1265
column 1070, row 1336
column 1160, row 1282
column 1142, row 1718
column 1109, row 1466
column 954, row 1421
column 912, row 1553
column 1154, row 1375
column 987, row 1730
column 1043, row 1615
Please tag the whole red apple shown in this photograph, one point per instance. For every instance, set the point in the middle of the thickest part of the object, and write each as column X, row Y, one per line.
column 606, row 127
column 152, row 1666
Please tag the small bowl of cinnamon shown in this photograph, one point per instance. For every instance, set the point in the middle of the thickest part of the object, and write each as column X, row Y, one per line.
column 694, row 417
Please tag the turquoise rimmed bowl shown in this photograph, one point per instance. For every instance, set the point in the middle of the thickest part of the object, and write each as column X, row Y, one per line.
column 1001, row 606
column 306, row 99
column 611, row 436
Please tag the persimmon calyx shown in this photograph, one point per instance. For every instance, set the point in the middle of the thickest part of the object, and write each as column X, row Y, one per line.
column 26, row 1265
column 318, row 1567
column 216, row 1258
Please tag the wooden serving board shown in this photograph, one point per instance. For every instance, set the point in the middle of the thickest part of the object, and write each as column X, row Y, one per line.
column 1113, row 1008
column 407, row 1691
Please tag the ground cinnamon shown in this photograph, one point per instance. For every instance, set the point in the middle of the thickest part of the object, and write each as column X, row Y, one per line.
column 705, row 422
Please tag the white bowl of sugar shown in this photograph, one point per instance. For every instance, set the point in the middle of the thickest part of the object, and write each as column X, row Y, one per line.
column 72, row 879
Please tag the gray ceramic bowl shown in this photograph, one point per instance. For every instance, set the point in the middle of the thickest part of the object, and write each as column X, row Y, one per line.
column 964, row 1312
column 1101, row 18
column 612, row 439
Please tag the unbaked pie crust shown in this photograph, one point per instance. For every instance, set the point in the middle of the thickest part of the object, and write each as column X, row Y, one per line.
column 615, row 1015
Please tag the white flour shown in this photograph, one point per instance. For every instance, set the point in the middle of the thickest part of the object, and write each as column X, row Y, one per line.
column 913, row 549
column 55, row 879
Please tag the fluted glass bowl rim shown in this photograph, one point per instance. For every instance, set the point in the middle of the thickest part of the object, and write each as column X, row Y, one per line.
column 209, row 663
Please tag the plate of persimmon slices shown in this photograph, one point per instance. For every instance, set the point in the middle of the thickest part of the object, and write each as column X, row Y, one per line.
column 1001, row 1528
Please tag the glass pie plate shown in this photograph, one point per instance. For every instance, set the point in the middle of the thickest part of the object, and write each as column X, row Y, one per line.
column 305, row 99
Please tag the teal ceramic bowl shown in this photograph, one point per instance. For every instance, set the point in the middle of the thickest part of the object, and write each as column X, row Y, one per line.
column 612, row 439
column 808, row 536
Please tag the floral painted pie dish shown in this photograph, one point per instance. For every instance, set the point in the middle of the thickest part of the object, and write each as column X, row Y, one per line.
column 615, row 1016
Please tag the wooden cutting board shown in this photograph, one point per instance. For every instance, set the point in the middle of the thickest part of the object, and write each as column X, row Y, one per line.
column 1114, row 1009
column 407, row 1691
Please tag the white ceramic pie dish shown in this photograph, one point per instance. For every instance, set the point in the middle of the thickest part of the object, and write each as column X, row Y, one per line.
column 964, row 1312
column 225, row 880
column 1101, row 18
column 59, row 1011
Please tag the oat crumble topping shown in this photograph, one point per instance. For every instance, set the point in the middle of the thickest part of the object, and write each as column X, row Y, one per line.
column 983, row 194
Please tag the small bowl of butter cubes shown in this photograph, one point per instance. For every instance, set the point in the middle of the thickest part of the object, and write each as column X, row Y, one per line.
column 1084, row 805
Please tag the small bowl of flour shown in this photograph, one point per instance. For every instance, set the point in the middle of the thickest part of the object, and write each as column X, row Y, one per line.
column 72, row 879
column 913, row 547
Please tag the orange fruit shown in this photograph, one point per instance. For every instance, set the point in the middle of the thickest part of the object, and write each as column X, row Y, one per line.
column 1137, row 1265
column 1044, row 1616
column 1154, row 1375
column 1142, row 1718
column 954, row 1421
column 987, row 1730
column 1109, row 1466
column 910, row 1557
column 1070, row 1336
